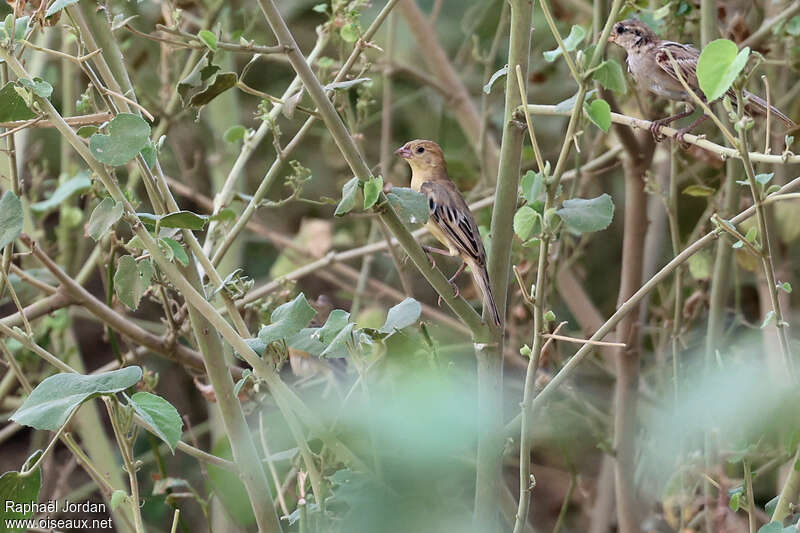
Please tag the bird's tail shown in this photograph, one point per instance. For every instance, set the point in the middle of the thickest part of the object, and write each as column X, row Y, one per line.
column 481, row 277
column 759, row 105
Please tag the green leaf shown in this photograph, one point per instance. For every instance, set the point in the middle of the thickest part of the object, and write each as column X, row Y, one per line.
column 751, row 235
column 11, row 218
column 52, row 402
column 341, row 344
column 600, row 113
column 105, row 215
column 549, row 316
column 132, row 279
column 161, row 415
column 372, row 190
column 525, row 220
column 287, row 320
column 786, row 287
column 410, row 205
column 209, row 39
column 178, row 251
column 496, row 76
column 38, row 86
column 127, row 135
column 576, row 35
column 532, row 184
column 769, row 318
column 87, row 131
column 337, row 320
column 118, row 497
column 583, row 216
column 205, row 83
column 402, row 315
column 719, row 65
column 234, row 133
column 772, row 527
column 320, row 8
column 733, row 503
column 349, row 198
column 12, row 105
column 57, row 6
column 349, row 32
column 246, row 374
column 184, row 220
column 569, row 103
column 793, row 26
column 63, row 192
column 700, row 265
column 610, row 75
column 698, row 190
column 18, row 494
column 763, row 179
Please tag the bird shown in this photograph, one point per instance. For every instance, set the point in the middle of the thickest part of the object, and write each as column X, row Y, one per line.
column 450, row 221
column 649, row 64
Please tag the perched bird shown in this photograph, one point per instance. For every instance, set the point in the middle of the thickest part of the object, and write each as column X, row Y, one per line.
column 649, row 64
column 450, row 221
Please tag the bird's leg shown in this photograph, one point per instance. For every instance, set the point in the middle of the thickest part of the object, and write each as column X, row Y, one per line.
column 431, row 250
column 452, row 282
column 690, row 127
column 656, row 125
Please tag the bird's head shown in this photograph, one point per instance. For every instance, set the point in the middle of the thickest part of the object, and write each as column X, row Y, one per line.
column 422, row 155
column 631, row 33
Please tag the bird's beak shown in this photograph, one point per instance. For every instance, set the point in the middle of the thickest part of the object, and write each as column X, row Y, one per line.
column 403, row 152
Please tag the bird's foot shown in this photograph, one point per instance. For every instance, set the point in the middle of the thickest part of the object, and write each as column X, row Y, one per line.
column 655, row 130
column 456, row 292
column 680, row 137
column 427, row 250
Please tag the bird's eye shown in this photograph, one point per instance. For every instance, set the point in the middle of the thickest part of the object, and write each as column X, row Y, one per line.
column 420, row 150
column 638, row 33
column 620, row 29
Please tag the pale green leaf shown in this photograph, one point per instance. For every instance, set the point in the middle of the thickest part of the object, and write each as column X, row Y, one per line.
column 11, row 218
column 372, row 191
column 53, row 400
column 105, row 215
column 132, row 279
column 287, row 320
column 63, row 192
column 583, row 216
column 127, row 135
column 162, row 417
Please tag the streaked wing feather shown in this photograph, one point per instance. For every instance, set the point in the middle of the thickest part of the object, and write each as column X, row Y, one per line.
column 685, row 56
column 452, row 215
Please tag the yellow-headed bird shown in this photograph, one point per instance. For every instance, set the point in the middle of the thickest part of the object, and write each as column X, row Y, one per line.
column 450, row 218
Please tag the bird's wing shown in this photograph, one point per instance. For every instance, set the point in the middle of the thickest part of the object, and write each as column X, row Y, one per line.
column 685, row 56
column 450, row 213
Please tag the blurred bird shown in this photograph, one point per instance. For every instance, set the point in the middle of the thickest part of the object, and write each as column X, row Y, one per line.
column 451, row 221
column 650, row 66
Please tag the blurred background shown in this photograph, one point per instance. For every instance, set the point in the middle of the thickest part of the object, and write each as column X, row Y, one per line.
column 407, row 404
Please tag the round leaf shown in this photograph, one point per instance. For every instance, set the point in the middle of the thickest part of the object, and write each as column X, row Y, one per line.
column 719, row 65
column 127, row 135
column 582, row 216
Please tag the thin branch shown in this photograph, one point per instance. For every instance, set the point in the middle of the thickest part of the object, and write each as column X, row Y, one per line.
column 723, row 151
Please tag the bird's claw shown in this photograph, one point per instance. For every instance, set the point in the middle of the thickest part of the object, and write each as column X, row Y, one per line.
column 680, row 137
column 655, row 130
column 427, row 250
